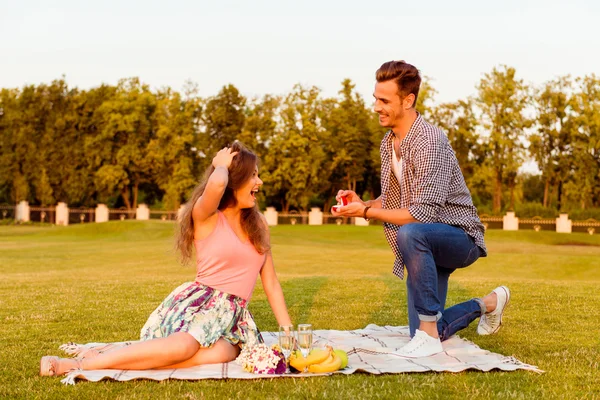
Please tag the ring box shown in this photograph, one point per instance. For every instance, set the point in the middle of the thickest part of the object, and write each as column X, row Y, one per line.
column 344, row 202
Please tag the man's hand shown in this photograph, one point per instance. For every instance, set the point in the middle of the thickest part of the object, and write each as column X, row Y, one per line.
column 350, row 195
column 354, row 209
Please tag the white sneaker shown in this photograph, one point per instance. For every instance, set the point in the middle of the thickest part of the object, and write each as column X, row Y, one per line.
column 489, row 323
column 421, row 345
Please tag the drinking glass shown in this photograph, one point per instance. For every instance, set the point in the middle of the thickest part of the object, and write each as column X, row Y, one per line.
column 286, row 339
column 305, row 338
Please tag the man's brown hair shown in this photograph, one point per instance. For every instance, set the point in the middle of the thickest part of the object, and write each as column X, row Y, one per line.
column 405, row 75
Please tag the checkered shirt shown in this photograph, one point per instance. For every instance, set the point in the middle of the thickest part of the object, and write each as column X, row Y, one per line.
column 432, row 189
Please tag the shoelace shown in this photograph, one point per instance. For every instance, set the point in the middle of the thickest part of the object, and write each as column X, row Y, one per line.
column 491, row 322
column 415, row 345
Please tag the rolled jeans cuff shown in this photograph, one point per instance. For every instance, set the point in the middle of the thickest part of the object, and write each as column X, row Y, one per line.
column 430, row 318
column 481, row 304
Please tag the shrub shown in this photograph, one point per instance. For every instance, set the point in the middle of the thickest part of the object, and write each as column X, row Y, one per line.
column 533, row 209
column 582, row 215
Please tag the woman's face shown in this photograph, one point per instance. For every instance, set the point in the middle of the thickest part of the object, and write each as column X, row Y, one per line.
column 246, row 195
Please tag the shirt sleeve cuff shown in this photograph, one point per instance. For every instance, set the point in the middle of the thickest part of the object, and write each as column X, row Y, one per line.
column 423, row 213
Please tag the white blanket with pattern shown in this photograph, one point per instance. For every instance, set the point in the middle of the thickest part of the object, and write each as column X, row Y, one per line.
column 371, row 350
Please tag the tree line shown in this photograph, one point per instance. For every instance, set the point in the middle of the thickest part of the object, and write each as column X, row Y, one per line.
column 126, row 144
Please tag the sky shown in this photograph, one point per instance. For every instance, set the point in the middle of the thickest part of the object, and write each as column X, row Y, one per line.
column 268, row 46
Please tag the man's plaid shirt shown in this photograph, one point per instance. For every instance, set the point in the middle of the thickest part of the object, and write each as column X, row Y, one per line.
column 432, row 189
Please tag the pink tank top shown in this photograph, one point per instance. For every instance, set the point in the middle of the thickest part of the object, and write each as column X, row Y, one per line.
column 225, row 263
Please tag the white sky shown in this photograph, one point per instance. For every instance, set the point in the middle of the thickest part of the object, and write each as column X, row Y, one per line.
column 268, row 46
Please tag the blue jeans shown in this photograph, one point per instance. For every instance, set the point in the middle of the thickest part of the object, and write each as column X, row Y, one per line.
column 431, row 253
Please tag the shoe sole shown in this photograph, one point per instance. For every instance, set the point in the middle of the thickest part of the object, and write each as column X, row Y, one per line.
column 433, row 354
column 46, row 366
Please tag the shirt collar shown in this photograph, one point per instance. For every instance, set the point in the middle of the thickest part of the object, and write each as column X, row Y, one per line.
column 412, row 132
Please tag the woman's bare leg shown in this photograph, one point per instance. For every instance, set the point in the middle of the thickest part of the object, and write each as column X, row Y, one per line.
column 222, row 351
column 148, row 354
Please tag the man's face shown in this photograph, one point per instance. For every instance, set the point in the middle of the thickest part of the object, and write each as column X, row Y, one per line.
column 388, row 104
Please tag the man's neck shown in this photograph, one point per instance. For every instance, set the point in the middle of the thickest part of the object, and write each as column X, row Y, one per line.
column 403, row 126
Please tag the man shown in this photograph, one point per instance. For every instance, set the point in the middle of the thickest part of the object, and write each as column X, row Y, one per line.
column 429, row 218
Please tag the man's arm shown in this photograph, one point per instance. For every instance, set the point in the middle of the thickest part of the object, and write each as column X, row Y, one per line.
column 374, row 203
column 397, row 217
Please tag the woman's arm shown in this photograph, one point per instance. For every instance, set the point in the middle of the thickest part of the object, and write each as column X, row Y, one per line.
column 274, row 292
column 272, row 287
column 208, row 203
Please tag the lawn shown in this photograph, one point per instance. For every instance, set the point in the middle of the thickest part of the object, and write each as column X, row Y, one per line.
column 99, row 282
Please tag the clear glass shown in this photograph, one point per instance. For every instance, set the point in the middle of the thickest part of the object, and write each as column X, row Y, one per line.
column 305, row 338
column 286, row 339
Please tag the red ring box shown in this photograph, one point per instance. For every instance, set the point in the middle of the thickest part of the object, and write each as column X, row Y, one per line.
column 336, row 208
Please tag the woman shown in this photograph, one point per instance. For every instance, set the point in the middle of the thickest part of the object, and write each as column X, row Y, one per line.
column 205, row 321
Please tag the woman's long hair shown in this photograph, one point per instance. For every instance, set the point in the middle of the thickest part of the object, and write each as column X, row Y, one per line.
column 241, row 170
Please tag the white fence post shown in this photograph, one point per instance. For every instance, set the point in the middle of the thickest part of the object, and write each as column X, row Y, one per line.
column 271, row 215
column 101, row 213
column 315, row 216
column 564, row 224
column 142, row 212
column 510, row 222
column 62, row 214
column 22, row 212
column 360, row 221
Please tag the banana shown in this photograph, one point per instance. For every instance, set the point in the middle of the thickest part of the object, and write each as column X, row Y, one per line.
column 333, row 363
column 297, row 360
column 316, row 356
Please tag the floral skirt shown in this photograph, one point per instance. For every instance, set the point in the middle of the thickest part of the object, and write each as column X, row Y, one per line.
column 205, row 313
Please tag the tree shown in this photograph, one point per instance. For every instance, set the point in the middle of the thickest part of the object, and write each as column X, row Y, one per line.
column 293, row 163
column 173, row 150
column 583, row 186
column 260, row 124
column 346, row 121
column 43, row 190
column 23, row 124
column 223, row 119
column 460, row 123
column 551, row 146
column 502, row 99
column 61, row 153
column 425, row 100
column 119, row 152
column 8, row 125
column 74, row 179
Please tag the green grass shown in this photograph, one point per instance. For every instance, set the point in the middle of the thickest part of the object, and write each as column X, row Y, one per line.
column 99, row 282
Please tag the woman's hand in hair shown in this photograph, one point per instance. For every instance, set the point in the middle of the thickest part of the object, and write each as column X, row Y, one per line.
column 224, row 158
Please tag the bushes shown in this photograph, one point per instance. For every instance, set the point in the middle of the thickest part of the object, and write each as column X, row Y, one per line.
column 532, row 209
column 582, row 215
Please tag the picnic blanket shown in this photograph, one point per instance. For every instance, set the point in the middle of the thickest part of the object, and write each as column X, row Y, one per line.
column 371, row 350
